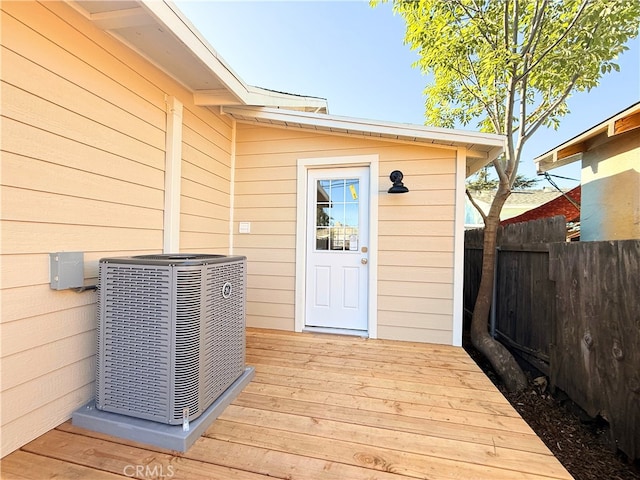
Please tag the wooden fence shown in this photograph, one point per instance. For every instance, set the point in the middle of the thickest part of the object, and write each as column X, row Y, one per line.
column 572, row 310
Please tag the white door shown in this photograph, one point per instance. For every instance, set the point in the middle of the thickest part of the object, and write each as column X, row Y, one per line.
column 337, row 248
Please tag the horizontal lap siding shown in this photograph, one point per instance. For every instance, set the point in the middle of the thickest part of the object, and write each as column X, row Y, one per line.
column 415, row 271
column 83, row 140
column 205, row 186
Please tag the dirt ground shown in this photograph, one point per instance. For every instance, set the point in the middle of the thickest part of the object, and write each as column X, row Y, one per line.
column 581, row 444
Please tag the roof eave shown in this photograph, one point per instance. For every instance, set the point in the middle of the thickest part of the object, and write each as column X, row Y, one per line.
column 572, row 150
column 481, row 148
column 215, row 83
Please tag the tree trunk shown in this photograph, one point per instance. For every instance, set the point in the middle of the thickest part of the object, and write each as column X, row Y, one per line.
column 501, row 359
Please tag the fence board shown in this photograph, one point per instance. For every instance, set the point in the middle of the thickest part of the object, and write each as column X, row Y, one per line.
column 523, row 319
column 522, row 313
column 595, row 358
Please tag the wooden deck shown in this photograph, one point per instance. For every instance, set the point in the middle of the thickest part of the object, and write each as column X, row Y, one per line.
column 326, row 407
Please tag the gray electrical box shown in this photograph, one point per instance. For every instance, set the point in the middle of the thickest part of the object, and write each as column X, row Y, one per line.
column 66, row 270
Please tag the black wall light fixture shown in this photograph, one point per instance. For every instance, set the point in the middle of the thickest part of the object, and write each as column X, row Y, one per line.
column 398, row 187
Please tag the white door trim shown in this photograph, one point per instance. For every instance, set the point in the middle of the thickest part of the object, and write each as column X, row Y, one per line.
column 304, row 165
column 458, row 249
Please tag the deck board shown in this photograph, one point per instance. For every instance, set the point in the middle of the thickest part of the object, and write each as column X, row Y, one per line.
column 326, row 407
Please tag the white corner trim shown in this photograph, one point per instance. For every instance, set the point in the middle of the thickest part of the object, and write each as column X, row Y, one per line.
column 232, row 186
column 304, row 164
column 172, row 176
column 458, row 250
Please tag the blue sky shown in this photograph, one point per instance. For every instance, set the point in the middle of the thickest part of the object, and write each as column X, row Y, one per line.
column 353, row 55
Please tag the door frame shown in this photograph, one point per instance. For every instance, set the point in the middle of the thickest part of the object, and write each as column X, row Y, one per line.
column 302, row 211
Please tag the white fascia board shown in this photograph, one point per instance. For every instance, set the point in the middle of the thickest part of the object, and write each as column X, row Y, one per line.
column 396, row 131
column 170, row 17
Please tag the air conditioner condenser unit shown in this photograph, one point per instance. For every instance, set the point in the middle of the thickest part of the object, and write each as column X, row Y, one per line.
column 171, row 334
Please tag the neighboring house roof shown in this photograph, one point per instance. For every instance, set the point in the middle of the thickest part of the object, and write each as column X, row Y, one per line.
column 519, row 198
column 481, row 148
column 160, row 33
column 558, row 206
column 519, row 202
column 572, row 150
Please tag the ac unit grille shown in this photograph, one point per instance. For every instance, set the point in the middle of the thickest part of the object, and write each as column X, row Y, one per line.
column 135, row 338
column 224, row 328
column 170, row 338
column 188, row 338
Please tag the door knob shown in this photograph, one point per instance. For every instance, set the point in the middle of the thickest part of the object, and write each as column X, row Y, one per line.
column 364, row 261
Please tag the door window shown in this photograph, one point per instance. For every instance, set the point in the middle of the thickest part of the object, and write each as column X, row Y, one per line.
column 337, row 215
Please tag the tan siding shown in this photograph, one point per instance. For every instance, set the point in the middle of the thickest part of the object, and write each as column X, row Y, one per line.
column 414, row 258
column 43, row 207
column 271, row 283
column 410, row 244
column 198, row 242
column 205, row 187
column 269, row 295
column 33, row 78
column 38, row 144
column 274, row 269
column 83, row 140
column 206, row 193
column 47, row 39
column 30, row 332
column 415, row 274
column 426, row 321
column 278, row 323
column 415, row 289
column 417, row 305
column 24, row 302
column 34, row 394
column 46, row 359
column 425, row 228
column 411, row 212
column 43, row 114
column 416, row 334
column 24, row 270
column 40, row 175
column 45, row 418
column 21, row 237
column 193, row 223
column 419, row 274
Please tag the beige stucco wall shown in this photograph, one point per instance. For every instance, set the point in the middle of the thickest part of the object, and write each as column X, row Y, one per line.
column 83, row 139
column 610, row 207
column 416, row 230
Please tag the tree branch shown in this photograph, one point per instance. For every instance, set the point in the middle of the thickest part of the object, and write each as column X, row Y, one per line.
column 536, row 124
column 559, row 40
column 535, row 26
column 480, row 17
column 521, row 126
column 514, row 33
column 476, row 206
column 505, row 25
column 493, row 114
column 540, row 121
